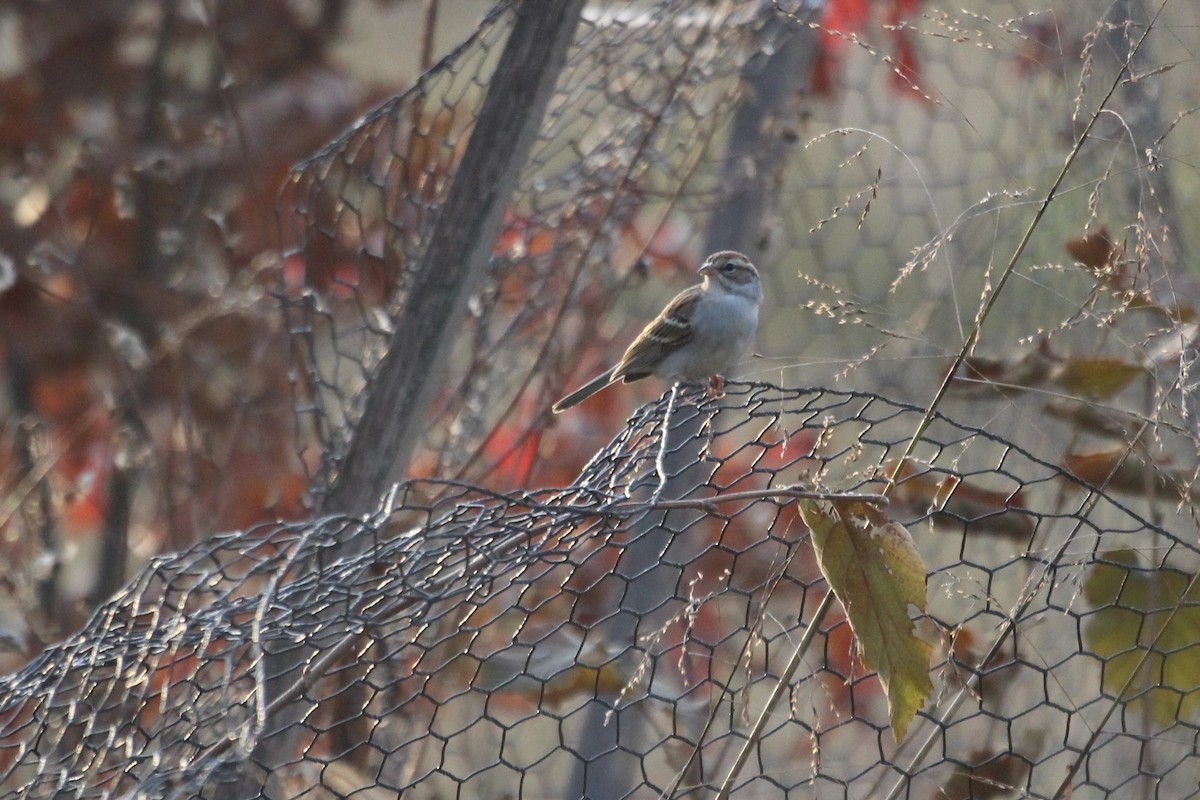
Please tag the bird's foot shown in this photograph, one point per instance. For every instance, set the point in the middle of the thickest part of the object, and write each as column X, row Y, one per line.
column 716, row 387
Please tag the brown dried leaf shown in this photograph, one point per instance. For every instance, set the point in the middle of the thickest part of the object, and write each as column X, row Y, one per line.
column 955, row 501
column 1113, row 470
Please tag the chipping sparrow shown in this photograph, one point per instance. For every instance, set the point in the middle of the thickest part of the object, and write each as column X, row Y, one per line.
column 700, row 333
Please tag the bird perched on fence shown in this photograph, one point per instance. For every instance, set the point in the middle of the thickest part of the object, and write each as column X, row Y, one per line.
column 701, row 333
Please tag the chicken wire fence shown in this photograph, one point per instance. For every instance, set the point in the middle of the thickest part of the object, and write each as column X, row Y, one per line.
column 619, row 637
column 466, row 649
column 670, row 112
column 609, row 157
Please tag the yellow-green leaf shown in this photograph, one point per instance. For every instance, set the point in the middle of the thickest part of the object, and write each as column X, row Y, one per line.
column 1096, row 377
column 1134, row 606
column 876, row 574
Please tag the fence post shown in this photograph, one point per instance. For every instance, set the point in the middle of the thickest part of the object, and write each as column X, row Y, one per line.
column 451, row 268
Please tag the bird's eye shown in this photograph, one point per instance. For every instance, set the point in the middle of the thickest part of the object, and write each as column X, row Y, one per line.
column 728, row 266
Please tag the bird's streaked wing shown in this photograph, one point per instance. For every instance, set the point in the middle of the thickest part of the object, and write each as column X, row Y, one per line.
column 671, row 329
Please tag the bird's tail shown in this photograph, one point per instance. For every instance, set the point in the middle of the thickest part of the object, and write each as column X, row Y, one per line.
column 584, row 392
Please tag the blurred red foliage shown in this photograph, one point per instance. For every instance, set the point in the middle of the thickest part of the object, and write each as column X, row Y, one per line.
column 846, row 21
column 142, row 146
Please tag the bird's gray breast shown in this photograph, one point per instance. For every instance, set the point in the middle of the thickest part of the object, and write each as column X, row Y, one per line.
column 722, row 329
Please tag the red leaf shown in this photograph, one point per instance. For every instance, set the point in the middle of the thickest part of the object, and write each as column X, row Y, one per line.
column 905, row 76
column 842, row 18
column 514, row 453
column 845, row 16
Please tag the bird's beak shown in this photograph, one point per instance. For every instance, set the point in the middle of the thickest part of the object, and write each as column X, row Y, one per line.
column 707, row 268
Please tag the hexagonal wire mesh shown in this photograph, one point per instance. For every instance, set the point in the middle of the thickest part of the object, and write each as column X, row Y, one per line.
column 464, row 651
column 617, row 637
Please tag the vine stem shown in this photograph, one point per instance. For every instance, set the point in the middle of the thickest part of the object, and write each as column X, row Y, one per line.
column 781, row 686
column 972, row 339
column 709, row 504
column 967, row 349
column 1121, row 696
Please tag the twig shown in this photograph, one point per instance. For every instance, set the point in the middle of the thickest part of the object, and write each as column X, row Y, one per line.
column 966, row 350
column 1064, row 789
column 968, row 345
column 709, row 504
column 430, row 26
column 306, row 681
column 783, row 685
column 972, row 338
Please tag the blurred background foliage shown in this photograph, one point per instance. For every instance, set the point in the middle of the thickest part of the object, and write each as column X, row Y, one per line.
column 172, row 173
column 151, row 387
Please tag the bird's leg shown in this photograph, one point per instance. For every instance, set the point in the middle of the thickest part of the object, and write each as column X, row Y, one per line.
column 716, row 386
column 693, row 393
